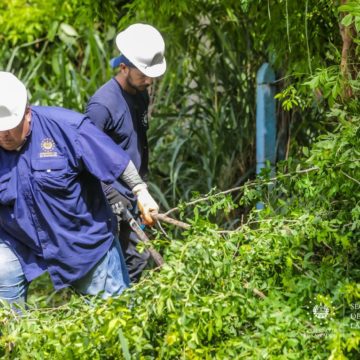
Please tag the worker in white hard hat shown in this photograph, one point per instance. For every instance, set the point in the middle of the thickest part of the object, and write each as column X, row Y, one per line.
column 120, row 109
column 54, row 216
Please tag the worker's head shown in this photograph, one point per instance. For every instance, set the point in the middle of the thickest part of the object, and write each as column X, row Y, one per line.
column 14, row 112
column 142, row 55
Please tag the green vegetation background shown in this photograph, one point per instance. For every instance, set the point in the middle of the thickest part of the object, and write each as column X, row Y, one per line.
column 302, row 251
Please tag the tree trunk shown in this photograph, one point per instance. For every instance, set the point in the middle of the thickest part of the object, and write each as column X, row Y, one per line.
column 346, row 52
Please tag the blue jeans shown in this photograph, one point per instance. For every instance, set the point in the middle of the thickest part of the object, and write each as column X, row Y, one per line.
column 108, row 278
column 13, row 285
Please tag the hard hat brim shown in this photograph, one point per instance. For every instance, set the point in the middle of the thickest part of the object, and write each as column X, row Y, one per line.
column 152, row 71
column 11, row 121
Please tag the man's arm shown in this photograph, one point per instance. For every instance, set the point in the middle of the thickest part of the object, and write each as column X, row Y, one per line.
column 99, row 115
column 146, row 203
column 109, row 162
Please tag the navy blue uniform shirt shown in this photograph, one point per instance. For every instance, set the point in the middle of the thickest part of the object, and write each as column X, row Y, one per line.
column 53, row 212
column 123, row 117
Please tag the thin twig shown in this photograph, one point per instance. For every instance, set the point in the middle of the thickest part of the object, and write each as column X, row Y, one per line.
column 306, row 272
column 205, row 198
column 162, row 229
column 229, row 231
column 254, row 222
column 351, row 178
column 255, row 290
column 237, row 188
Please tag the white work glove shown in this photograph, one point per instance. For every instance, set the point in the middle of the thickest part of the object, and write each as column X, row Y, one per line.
column 146, row 203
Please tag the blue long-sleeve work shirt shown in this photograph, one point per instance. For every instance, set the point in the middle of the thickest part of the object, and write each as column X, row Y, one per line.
column 53, row 212
column 123, row 117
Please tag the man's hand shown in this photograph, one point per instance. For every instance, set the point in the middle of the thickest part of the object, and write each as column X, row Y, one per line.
column 146, row 203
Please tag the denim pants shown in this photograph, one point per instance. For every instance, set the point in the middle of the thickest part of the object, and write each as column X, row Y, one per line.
column 13, row 285
column 109, row 277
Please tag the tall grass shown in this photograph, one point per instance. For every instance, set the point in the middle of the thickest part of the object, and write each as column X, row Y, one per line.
column 61, row 73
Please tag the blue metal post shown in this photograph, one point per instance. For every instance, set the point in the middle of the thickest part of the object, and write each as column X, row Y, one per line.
column 265, row 121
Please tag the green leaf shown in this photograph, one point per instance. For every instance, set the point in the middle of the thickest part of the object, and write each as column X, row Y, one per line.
column 124, row 345
column 357, row 23
column 68, row 30
column 347, row 20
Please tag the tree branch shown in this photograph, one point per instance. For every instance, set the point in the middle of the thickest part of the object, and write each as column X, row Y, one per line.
column 238, row 188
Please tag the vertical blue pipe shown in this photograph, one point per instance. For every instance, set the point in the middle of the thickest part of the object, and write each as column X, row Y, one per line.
column 265, row 121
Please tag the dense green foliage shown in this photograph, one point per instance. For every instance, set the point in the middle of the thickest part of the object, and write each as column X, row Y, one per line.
column 301, row 251
column 58, row 48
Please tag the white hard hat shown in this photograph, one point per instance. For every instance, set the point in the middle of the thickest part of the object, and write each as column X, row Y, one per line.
column 144, row 46
column 13, row 99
